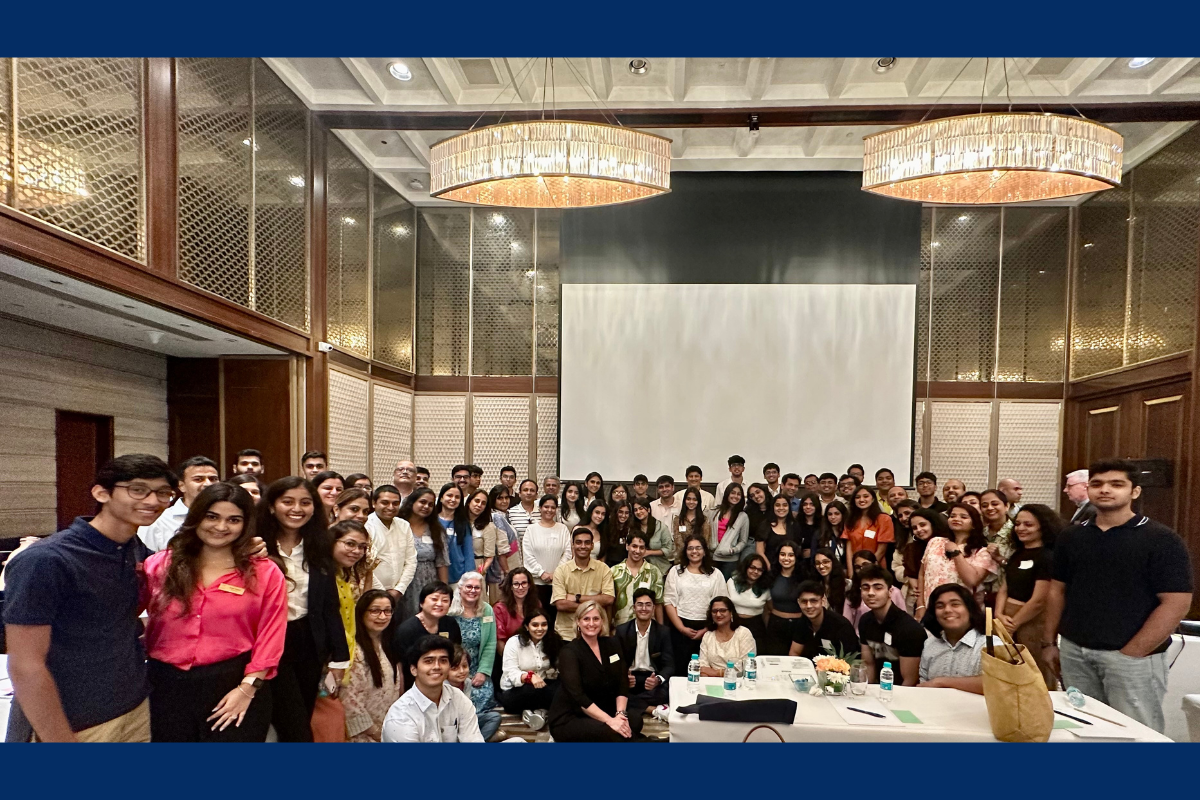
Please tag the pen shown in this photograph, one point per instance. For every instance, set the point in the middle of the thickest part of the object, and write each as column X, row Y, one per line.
column 1097, row 716
column 1068, row 716
column 861, row 711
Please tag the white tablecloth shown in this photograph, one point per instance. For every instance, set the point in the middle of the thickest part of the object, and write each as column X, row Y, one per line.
column 947, row 715
column 5, row 695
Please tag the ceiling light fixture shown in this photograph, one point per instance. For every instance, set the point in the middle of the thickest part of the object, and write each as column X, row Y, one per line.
column 1138, row 63
column 639, row 66
column 883, row 64
column 993, row 158
column 416, row 184
column 400, row 71
column 550, row 163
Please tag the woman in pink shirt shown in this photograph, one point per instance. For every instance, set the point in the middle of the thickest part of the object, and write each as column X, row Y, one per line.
column 217, row 620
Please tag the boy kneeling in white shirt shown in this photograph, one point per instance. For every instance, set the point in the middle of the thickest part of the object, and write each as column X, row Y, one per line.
column 432, row 710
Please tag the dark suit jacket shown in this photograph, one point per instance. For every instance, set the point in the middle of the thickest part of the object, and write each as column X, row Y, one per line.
column 1085, row 513
column 325, row 617
column 661, row 654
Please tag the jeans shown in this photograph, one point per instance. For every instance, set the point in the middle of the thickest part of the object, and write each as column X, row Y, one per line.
column 489, row 723
column 1133, row 686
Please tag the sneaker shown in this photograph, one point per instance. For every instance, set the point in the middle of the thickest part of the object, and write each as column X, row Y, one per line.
column 534, row 719
column 661, row 713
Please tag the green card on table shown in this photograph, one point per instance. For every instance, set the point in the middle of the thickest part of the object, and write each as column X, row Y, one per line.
column 906, row 716
column 1064, row 724
column 714, row 691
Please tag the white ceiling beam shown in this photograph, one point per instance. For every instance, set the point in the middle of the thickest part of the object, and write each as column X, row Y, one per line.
column 918, row 77
column 599, row 73
column 292, row 78
column 443, row 75
column 367, row 79
column 758, row 77
column 744, row 141
column 413, row 141
column 1168, row 75
column 840, row 76
column 677, row 79
column 1156, row 141
column 679, row 144
column 1085, row 74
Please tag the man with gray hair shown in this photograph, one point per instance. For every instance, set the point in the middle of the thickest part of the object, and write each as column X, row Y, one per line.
column 1076, row 491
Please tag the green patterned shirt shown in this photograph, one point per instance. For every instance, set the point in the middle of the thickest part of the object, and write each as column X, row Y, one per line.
column 626, row 583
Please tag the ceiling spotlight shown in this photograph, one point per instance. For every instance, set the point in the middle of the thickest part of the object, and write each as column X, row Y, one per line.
column 1138, row 63
column 416, row 184
column 498, row 219
column 1088, row 244
column 296, row 180
column 639, row 66
column 400, row 71
column 883, row 64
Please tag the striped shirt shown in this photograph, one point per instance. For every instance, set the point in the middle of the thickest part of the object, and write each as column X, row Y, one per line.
column 940, row 659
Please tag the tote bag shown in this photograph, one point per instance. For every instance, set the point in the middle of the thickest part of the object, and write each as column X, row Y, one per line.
column 1018, row 703
column 328, row 720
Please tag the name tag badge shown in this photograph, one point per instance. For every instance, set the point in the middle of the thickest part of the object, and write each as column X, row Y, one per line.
column 870, row 534
column 828, row 645
column 614, row 658
column 446, row 635
column 683, row 528
column 489, row 619
column 1026, row 565
column 887, row 639
column 225, row 587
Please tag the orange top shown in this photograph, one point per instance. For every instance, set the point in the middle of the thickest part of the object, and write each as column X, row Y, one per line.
column 867, row 536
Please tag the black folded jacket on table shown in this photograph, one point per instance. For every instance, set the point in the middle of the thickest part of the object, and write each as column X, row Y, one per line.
column 722, row 709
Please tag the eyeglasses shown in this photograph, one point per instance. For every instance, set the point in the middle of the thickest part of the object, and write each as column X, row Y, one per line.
column 353, row 546
column 140, row 491
column 754, row 568
column 379, row 612
column 521, row 585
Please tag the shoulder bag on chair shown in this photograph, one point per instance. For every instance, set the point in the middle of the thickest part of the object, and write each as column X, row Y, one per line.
column 1018, row 703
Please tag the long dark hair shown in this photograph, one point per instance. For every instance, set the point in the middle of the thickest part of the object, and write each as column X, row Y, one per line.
column 651, row 522
column 755, row 514
column 583, row 487
column 532, row 601
column 360, row 572
column 249, row 477
column 830, row 534
column 976, row 539
column 314, row 534
column 871, row 512
column 406, row 513
column 485, row 517
column 835, row 583
column 698, row 520
column 733, row 508
column 914, row 551
column 460, row 513
column 365, row 644
column 706, row 564
column 565, row 507
column 183, row 573
column 797, row 567
column 1050, row 523
column 974, row 612
column 808, row 534
column 854, row 593
column 552, row 642
column 741, row 577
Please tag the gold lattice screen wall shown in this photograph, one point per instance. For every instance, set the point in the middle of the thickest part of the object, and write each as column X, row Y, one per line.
column 348, row 423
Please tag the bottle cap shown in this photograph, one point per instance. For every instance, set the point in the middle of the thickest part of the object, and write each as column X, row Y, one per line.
column 887, row 665
column 728, row 665
column 695, row 656
column 751, row 654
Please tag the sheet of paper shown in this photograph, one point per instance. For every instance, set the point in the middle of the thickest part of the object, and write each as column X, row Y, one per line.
column 843, row 705
column 1099, row 729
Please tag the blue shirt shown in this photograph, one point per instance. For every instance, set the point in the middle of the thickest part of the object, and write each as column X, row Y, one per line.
column 460, row 548
column 85, row 587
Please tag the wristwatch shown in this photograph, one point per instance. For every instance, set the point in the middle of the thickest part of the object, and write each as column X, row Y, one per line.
column 577, row 598
column 252, row 682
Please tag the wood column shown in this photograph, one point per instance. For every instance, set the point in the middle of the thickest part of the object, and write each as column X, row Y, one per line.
column 160, row 145
column 317, row 367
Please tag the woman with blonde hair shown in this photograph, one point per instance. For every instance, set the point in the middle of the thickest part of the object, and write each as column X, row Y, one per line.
column 593, row 685
column 477, row 626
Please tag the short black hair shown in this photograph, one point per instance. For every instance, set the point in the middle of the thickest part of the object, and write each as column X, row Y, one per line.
column 196, row 461
column 736, row 460
column 133, row 466
column 850, row 477
column 635, row 534
column 665, row 479
column 311, row 454
column 511, row 469
column 828, row 476
column 423, row 471
column 427, row 644
column 922, row 475
column 873, row 572
column 355, row 477
column 249, row 451
column 640, row 478
column 974, row 612
column 644, row 591
column 434, row 587
column 460, row 468
column 693, row 468
column 791, row 476
column 527, row 480
column 1115, row 465
column 770, row 465
column 882, row 470
column 475, row 469
column 811, row 475
column 581, row 529
column 811, row 587
column 386, row 488
column 860, row 466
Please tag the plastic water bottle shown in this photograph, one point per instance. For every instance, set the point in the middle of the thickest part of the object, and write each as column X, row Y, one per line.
column 694, row 674
column 886, row 677
column 751, row 672
column 730, row 678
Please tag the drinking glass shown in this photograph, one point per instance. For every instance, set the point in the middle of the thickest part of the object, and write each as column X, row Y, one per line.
column 858, row 679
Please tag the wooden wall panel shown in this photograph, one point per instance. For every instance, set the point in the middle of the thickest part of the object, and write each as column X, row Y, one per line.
column 193, row 408
column 258, row 404
column 1101, row 432
column 1163, row 427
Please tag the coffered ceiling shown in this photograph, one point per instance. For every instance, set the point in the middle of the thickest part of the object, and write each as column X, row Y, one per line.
column 706, row 96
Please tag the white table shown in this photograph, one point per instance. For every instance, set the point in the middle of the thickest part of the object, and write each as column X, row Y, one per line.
column 947, row 715
column 5, row 695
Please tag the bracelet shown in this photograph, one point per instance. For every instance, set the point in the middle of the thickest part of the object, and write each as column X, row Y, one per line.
column 621, row 713
column 1050, row 644
column 243, row 691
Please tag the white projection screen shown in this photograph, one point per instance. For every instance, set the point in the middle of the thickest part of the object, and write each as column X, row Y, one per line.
column 815, row 377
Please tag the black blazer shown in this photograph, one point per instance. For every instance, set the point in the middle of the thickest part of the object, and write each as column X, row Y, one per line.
column 325, row 617
column 583, row 680
column 662, row 656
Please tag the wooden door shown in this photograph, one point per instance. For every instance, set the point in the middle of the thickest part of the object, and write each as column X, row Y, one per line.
column 83, row 443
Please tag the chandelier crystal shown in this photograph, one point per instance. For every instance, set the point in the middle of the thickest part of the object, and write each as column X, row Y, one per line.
column 993, row 158
column 550, row 164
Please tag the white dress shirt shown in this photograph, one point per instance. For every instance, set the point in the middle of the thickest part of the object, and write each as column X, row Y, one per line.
column 641, row 655
column 157, row 534
column 521, row 658
column 394, row 547
column 664, row 513
column 545, row 548
column 416, row 718
column 297, row 574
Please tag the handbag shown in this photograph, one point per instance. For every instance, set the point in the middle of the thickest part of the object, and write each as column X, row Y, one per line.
column 328, row 720
column 750, row 733
column 1018, row 703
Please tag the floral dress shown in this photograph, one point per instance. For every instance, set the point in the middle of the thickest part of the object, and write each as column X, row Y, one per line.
column 365, row 703
column 471, row 628
column 428, row 560
column 1003, row 541
column 939, row 569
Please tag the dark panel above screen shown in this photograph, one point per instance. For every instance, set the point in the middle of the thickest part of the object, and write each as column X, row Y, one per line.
column 747, row 227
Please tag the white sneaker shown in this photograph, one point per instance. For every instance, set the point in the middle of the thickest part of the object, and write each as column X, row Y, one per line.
column 535, row 719
column 661, row 713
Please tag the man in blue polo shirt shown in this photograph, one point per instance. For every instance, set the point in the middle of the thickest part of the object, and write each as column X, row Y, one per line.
column 71, row 600
column 1122, row 582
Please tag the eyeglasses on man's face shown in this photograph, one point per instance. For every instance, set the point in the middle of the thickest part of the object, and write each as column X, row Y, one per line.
column 140, row 491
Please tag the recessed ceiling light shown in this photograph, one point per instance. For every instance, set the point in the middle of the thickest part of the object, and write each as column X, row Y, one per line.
column 126, row 305
column 184, row 325
column 1088, row 244
column 1138, row 63
column 400, row 71
column 639, row 66
column 296, row 180
column 231, row 340
column 56, row 283
column 883, row 64
column 415, row 184
column 248, row 141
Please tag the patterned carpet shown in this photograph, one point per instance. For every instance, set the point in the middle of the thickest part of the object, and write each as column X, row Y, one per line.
column 511, row 726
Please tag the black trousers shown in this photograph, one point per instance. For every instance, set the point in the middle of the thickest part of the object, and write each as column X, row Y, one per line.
column 526, row 698
column 683, row 646
column 294, row 687
column 758, row 629
column 544, row 595
column 583, row 728
column 641, row 698
column 182, row 700
column 779, row 637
